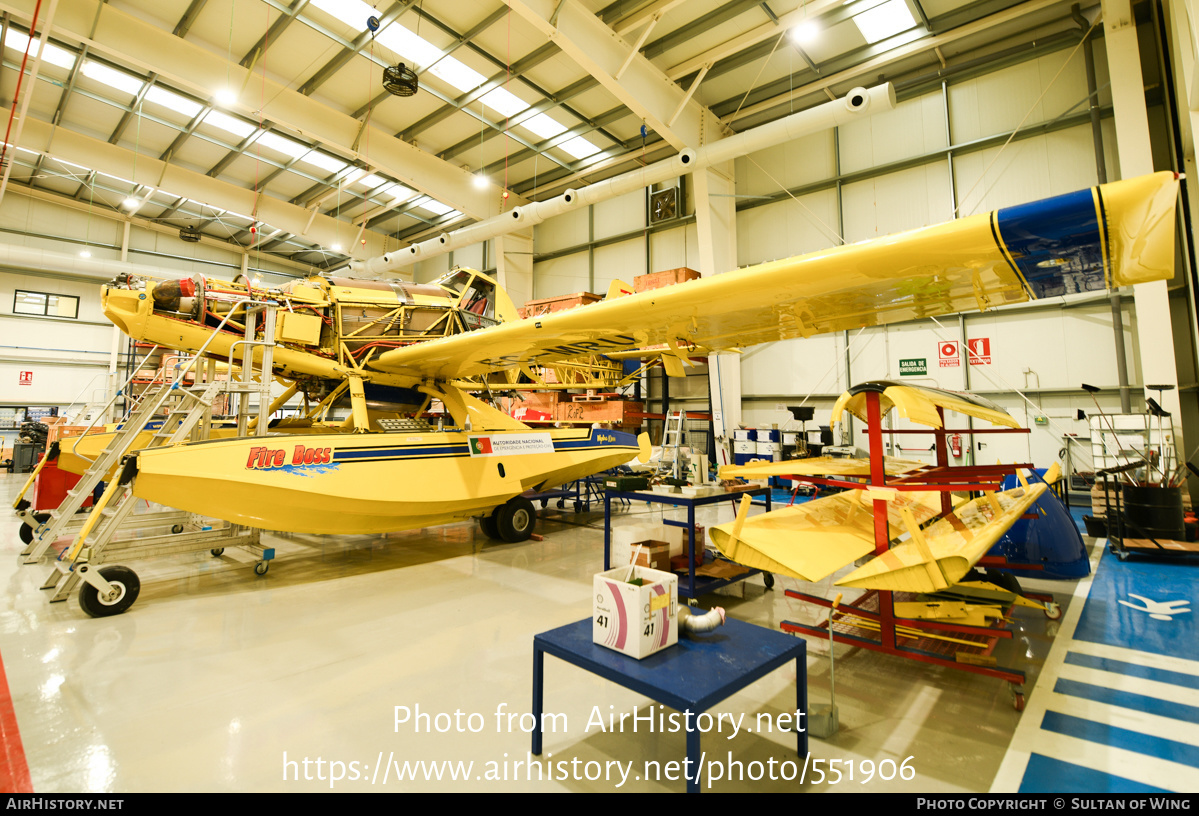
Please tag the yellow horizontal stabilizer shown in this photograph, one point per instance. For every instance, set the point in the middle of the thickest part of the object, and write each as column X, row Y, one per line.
column 988, row 591
column 818, row 466
column 919, row 404
column 813, row 540
column 956, row 611
column 956, row 543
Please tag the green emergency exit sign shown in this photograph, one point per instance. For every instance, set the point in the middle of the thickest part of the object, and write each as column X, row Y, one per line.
column 914, row 366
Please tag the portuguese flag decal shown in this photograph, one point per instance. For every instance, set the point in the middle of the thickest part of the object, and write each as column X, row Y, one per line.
column 480, row 445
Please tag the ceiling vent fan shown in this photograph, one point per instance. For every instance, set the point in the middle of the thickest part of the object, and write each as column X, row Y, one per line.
column 400, row 80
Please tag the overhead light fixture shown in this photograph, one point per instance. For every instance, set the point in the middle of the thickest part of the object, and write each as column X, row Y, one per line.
column 131, row 202
column 225, row 97
column 805, row 33
column 336, row 247
column 85, row 254
column 480, row 181
column 884, row 21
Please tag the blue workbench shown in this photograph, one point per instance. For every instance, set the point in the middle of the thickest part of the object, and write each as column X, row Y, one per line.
column 692, row 676
column 692, row 586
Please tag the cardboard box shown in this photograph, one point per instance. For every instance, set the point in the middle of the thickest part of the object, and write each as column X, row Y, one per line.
column 654, row 554
column 669, row 277
column 635, row 620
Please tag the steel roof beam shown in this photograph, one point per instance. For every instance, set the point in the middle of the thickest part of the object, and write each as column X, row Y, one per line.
column 602, row 53
column 127, row 39
column 189, row 18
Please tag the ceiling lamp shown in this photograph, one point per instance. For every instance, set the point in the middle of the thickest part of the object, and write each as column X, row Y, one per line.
column 189, row 234
column 805, row 32
column 400, row 80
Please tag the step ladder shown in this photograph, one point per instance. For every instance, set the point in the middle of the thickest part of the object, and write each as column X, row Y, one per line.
column 672, row 439
column 187, row 409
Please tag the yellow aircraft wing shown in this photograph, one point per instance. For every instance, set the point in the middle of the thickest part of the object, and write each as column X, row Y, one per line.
column 1112, row 235
column 949, row 548
column 818, row 466
column 813, row 540
column 919, row 404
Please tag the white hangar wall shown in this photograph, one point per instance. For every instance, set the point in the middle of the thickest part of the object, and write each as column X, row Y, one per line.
column 939, row 151
column 68, row 358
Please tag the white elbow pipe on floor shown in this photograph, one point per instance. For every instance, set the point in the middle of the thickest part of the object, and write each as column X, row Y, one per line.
column 690, row 621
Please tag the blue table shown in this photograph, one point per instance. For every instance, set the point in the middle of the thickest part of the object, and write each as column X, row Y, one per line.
column 696, row 674
column 693, row 586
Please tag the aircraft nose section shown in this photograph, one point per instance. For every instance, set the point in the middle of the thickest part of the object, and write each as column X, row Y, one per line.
column 121, row 306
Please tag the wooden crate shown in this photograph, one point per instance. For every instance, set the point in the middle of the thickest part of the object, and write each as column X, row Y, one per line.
column 656, row 280
column 614, row 411
column 536, row 308
column 57, row 432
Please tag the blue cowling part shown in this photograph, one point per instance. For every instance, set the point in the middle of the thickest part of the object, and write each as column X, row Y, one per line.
column 1052, row 541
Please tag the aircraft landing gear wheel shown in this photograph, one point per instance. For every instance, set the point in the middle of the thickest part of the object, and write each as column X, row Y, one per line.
column 124, row 580
column 1053, row 610
column 487, row 525
column 514, row 520
column 178, row 528
column 217, row 552
column 261, row 567
column 25, row 534
column 768, row 580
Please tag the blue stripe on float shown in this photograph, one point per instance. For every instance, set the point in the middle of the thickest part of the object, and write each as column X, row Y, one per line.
column 1047, row 775
column 1126, row 699
column 1121, row 738
column 1133, row 670
column 1063, row 234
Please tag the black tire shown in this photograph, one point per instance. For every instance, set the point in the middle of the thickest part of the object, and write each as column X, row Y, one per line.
column 123, row 577
column 487, row 525
column 217, row 552
column 261, row 567
column 768, row 580
column 25, row 534
column 41, row 518
column 514, row 520
column 177, row 529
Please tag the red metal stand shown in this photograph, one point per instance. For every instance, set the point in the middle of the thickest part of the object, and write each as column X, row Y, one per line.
column 876, row 625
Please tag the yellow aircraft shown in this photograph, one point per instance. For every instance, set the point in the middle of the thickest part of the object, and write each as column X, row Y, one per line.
column 407, row 344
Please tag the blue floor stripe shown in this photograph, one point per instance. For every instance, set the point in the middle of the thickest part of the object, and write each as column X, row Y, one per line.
column 1133, row 670
column 1047, row 775
column 1126, row 699
column 1121, row 738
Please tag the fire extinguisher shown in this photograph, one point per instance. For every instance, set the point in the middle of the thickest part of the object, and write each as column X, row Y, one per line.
column 955, row 444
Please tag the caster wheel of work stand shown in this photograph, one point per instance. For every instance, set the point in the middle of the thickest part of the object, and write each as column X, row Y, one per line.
column 217, row 552
column 1017, row 698
column 177, row 529
column 124, row 580
column 261, row 567
column 768, row 580
column 1053, row 610
column 26, row 532
column 514, row 520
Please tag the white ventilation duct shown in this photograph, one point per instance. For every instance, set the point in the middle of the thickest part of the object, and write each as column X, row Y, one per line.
column 857, row 103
